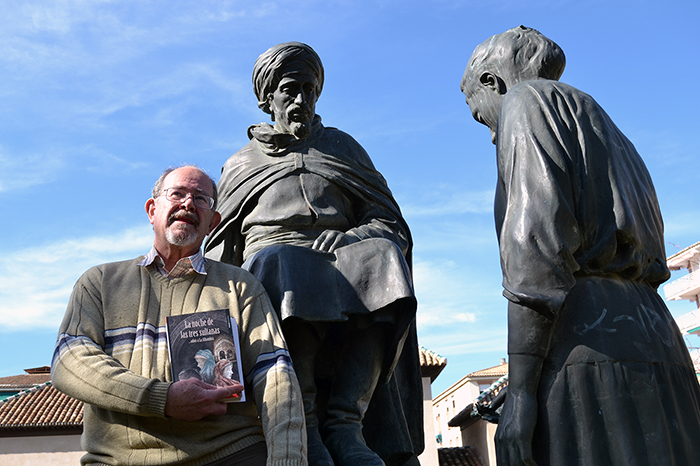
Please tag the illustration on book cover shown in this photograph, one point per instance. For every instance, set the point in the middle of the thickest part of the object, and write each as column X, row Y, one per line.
column 205, row 345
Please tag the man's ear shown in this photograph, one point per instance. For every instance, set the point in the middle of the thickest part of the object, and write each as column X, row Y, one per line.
column 493, row 82
column 150, row 209
column 215, row 220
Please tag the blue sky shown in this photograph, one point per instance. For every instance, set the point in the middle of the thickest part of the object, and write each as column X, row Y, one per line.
column 97, row 97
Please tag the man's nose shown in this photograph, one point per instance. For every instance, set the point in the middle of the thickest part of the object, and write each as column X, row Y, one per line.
column 188, row 203
column 300, row 99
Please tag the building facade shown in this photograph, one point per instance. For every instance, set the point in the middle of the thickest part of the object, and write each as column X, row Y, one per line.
column 687, row 287
column 454, row 399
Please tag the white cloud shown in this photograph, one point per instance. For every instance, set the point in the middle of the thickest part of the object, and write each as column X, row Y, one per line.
column 185, row 79
column 449, row 294
column 682, row 224
column 35, row 283
column 22, row 171
column 445, row 201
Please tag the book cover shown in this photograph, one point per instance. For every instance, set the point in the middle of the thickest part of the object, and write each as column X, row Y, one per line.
column 205, row 345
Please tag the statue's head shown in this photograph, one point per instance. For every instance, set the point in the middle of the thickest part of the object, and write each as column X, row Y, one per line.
column 288, row 79
column 502, row 61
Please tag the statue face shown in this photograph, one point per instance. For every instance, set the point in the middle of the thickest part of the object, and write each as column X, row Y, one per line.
column 484, row 102
column 293, row 103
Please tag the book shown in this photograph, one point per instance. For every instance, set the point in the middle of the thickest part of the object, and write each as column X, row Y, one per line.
column 205, row 345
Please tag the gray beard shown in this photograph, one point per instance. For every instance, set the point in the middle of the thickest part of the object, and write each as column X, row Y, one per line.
column 300, row 130
column 182, row 238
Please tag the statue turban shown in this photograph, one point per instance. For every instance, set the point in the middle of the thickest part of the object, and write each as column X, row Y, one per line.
column 269, row 66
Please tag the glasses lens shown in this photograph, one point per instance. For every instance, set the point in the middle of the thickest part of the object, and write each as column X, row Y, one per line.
column 175, row 194
column 202, row 201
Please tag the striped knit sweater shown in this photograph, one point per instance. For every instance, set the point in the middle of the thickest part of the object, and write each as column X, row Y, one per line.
column 112, row 354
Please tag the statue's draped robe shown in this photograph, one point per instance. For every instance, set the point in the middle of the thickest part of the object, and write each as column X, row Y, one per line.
column 581, row 242
column 276, row 195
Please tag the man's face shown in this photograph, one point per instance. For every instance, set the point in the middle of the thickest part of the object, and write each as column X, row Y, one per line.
column 484, row 103
column 293, row 102
column 182, row 225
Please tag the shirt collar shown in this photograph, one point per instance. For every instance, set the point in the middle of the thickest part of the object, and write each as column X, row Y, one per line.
column 184, row 266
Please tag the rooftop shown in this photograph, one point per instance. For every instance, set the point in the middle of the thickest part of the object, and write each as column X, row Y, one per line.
column 458, row 456
column 680, row 259
column 40, row 408
column 431, row 364
column 491, row 372
column 31, row 378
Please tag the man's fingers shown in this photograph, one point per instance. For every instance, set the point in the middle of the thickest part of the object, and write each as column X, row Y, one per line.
column 226, row 392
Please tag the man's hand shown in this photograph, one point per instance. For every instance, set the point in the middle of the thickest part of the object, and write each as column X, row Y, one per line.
column 192, row 399
column 330, row 240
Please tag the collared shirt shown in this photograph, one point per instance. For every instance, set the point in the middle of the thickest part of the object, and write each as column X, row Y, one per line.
column 184, row 266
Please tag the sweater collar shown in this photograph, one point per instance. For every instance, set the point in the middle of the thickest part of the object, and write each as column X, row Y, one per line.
column 183, row 267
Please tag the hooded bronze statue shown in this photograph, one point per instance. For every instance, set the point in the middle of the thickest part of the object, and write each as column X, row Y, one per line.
column 304, row 209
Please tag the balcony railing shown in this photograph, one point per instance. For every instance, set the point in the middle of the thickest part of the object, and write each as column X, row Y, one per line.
column 686, row 287
column 689, row 322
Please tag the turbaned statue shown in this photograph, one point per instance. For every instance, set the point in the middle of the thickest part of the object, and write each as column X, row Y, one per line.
column 304, row 209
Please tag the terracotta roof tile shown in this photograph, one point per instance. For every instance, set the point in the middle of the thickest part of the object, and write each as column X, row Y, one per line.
column 23, row 382
column 495, row 371
column 431, row 364
column 459, row 456
column 41, row 407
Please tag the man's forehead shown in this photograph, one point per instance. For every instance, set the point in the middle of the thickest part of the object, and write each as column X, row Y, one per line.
column 189, row 178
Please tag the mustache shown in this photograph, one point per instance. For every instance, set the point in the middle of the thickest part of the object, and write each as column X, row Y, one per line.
column 183, row 215
column 300, row 110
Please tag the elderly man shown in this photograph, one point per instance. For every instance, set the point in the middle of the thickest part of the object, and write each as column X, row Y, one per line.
column 112, row 353
column 307, row 213
column 599, row 373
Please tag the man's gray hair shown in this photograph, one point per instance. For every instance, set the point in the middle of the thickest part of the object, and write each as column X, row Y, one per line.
column 268, row 68
column 158, row 187
column 520, row 53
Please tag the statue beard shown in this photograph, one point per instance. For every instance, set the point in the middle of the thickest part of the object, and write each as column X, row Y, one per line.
column 299, row 119
column 300, row 129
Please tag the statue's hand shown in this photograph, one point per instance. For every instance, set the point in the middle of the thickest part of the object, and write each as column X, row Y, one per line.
column 516, row 428
column 330, row 240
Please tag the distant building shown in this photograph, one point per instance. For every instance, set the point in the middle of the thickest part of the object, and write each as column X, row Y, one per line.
column 452, row 401
column 477, row 422
column 431, row 364
column 38, row 424
column 687, row 287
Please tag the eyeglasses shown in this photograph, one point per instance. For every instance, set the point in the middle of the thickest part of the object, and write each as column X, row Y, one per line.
column 179, row 195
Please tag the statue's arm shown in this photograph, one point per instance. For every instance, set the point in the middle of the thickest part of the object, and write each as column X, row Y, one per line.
column 529, row 336
column 538, row 238
column 375, row 212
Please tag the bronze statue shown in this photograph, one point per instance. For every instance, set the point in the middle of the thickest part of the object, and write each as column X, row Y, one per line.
column 599, row 373
column 307, row 213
